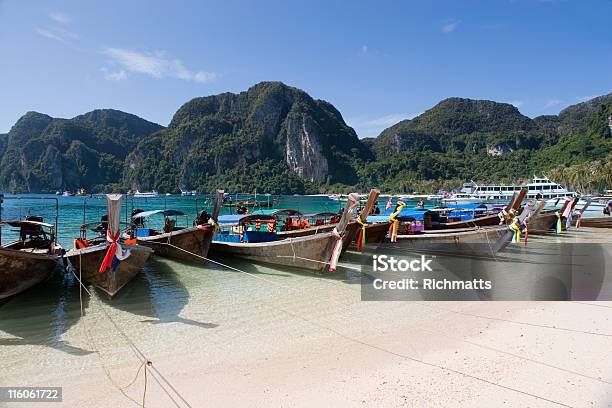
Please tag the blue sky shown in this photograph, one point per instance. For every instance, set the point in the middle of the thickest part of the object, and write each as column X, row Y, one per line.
column 377, row 62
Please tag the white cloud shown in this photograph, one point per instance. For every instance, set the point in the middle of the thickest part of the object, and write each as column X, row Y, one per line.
column 57, row 34
column 450, row 27
column 364, row 49
column 114, row 75
column 371, row 127
column 551, row 103
column 156, row 65
column 60, row 18
column 517, row 103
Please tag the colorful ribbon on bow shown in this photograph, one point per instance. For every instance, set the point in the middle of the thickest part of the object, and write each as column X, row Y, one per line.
column 361, row 238
column 394, row 222
column 559, row 223
column 335, row 255
column 114, row 247
column 517, row 231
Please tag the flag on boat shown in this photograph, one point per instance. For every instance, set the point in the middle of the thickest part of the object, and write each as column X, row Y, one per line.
column 389, row 203
column 115, row 254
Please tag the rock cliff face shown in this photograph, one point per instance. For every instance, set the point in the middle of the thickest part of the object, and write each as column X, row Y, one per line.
column 499, row 149
column 267, row 137
column 41, row 153
column 304, row 152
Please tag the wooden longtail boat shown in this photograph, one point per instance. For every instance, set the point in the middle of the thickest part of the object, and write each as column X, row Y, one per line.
column 29, row 260
column 491, row 219
column 546, row 221
column 479, row 241
column 352, row 229
column 186, row 244
column 88, row 256
column 312, row 252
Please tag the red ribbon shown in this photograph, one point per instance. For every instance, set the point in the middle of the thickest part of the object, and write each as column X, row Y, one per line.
column 107, row 263
column 359, row 239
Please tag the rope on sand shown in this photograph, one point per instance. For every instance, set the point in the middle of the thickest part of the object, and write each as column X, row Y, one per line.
column 382, row 349
column 544, row 326
column 145, row 362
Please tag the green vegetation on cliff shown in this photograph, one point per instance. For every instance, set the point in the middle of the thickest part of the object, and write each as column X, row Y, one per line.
column 277, row 139
column 461, row 139
column 272, row 138
column 47, row 154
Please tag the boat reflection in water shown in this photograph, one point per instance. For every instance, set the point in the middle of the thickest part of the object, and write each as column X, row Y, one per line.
column 157, row 294
column 42, row 315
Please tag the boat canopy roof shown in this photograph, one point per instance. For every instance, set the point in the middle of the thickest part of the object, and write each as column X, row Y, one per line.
column 320, row 214
column 22, row 223
column 235, row 219
column 472, row 206
column 166, row 213
column 407, row 214
column 277, row 212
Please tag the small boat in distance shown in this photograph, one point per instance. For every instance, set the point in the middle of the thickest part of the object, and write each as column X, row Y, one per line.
column 146, row 194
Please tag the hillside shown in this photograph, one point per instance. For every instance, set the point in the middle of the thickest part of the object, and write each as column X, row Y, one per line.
column 272, row 137
column 278, row 139
column 42, row 153
column 462, row 139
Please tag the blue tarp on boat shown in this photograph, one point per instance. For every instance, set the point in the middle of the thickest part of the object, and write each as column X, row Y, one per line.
column 231, row 218
column 417, row 214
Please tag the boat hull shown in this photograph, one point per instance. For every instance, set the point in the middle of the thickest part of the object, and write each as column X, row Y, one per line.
column 377, row 232
column 596, row 222
column 310, row 252
column 476, row 241
column 20, row 270
column 352, row 229
column 87, row 262
column 189, row 244
column 544, row 223
column 486, row 221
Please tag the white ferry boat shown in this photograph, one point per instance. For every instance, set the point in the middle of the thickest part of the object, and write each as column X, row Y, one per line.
column 147, row 194
column 539, row 185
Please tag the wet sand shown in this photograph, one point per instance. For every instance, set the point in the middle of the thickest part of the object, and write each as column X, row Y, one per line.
column 275, row 338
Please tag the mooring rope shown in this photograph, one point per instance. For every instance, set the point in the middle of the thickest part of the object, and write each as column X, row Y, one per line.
column 137, row 352
column 382, row 349
column 97, row 351
column 598, row 379
column 544, row 326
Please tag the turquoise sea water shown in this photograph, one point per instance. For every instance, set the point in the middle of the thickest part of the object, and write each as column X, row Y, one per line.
column 73, row 210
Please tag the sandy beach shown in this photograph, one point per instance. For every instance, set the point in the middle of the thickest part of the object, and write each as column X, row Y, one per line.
column 269, row 338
